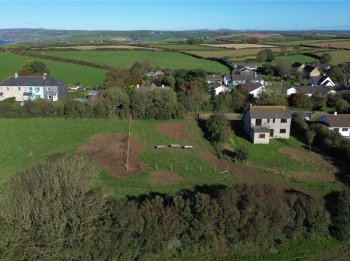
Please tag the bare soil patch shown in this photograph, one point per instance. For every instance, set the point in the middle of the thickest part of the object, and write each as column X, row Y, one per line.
column 109, row 152
column 178, row 130
column 240, row 46
column 165, row 177
column 326, row 171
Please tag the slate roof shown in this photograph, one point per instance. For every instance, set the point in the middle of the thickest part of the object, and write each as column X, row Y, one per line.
column 249, row 87
column 214, row 77
column 309, row 68
column 31, row 81
column 337, row 121
column 241, row 77
column 313, row 90
column 297, row 65
column 270, row 112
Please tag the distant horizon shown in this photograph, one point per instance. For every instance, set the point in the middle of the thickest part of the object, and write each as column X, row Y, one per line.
column 247, row 15
column 184, row 30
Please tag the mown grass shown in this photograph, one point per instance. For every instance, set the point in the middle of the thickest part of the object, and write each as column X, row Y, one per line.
column 127, row 58
column 296, row 58
column 68, row 73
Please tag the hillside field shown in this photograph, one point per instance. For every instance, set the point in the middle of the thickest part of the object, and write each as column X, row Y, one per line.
column 69, row 73
column 163, row 170
column 126, row 59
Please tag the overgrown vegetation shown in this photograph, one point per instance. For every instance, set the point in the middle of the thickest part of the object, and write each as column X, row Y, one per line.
column 54, row 210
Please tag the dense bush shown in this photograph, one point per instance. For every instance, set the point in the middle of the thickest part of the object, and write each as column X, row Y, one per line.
column 339, row 206
column 55, row 211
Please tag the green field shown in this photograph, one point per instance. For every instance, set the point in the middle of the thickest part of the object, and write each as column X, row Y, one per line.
column 341, row 56
column 268, row 157
column 296, row 58
column 126, row 59
column 69, row 73
column 41, row 137
column 186, row 47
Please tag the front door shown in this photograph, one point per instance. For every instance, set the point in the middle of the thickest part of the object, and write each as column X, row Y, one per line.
column 271, row 132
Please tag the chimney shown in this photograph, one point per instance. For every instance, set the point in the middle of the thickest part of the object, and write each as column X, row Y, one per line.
column 44, row 76
column 335, row 113
column 16, row 75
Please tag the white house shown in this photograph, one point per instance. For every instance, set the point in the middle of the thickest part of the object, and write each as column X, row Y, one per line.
column 24, row 88
column 319, row 91
column 337, row 123
column 253, row 89
column 235, row 79
column 216, row 88
column 262, row 123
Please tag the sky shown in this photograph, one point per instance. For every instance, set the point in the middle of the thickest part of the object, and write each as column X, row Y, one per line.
column 176, row 15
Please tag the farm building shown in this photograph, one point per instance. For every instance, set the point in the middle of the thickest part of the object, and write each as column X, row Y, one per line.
column 25, row 88
column 263, row 123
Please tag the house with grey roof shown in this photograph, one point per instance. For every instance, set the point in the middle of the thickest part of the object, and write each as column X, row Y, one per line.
column 262, row 123
column 216, row 88
column 254, row 89
column 319, row 91
column 25, row 88
column 212, row 78
column 235, row 79
column 321, row 80
column 339, row 123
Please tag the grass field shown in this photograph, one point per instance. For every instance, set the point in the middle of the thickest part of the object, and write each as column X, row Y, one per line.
column 185, row 47
column 305, row 174
column 339, row 56
column 69, row 73
column 42, row 137
column 296, row 58
column 126, row 59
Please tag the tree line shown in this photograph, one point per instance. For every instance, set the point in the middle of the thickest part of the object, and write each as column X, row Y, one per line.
column 55, row 210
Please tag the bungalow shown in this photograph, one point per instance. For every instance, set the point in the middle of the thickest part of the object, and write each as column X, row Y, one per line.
column 216, row 88
column 337, row 123
column 151, row 87
column 25, row 88
column 310, row 71
column 235, row 79
column 211, row 78
column 321, row 80
column 263, row 123
column 319, row 91
column 253, row 89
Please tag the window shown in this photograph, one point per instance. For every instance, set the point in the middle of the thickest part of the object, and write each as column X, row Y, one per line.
column 268, row 120
column 37, row 89
column 336, row 129
column 274, row 120
column 261, row 136
column 283, row 130
column 344, row 129
column 283, row 120
column 258, row 122
column 19, row 88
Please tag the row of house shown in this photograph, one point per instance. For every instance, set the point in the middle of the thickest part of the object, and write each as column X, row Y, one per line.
column 25, row 88
column 262, row 123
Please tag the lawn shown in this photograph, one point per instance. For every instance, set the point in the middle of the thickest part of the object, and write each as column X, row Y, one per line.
column 163, row 59
column 69, row 73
